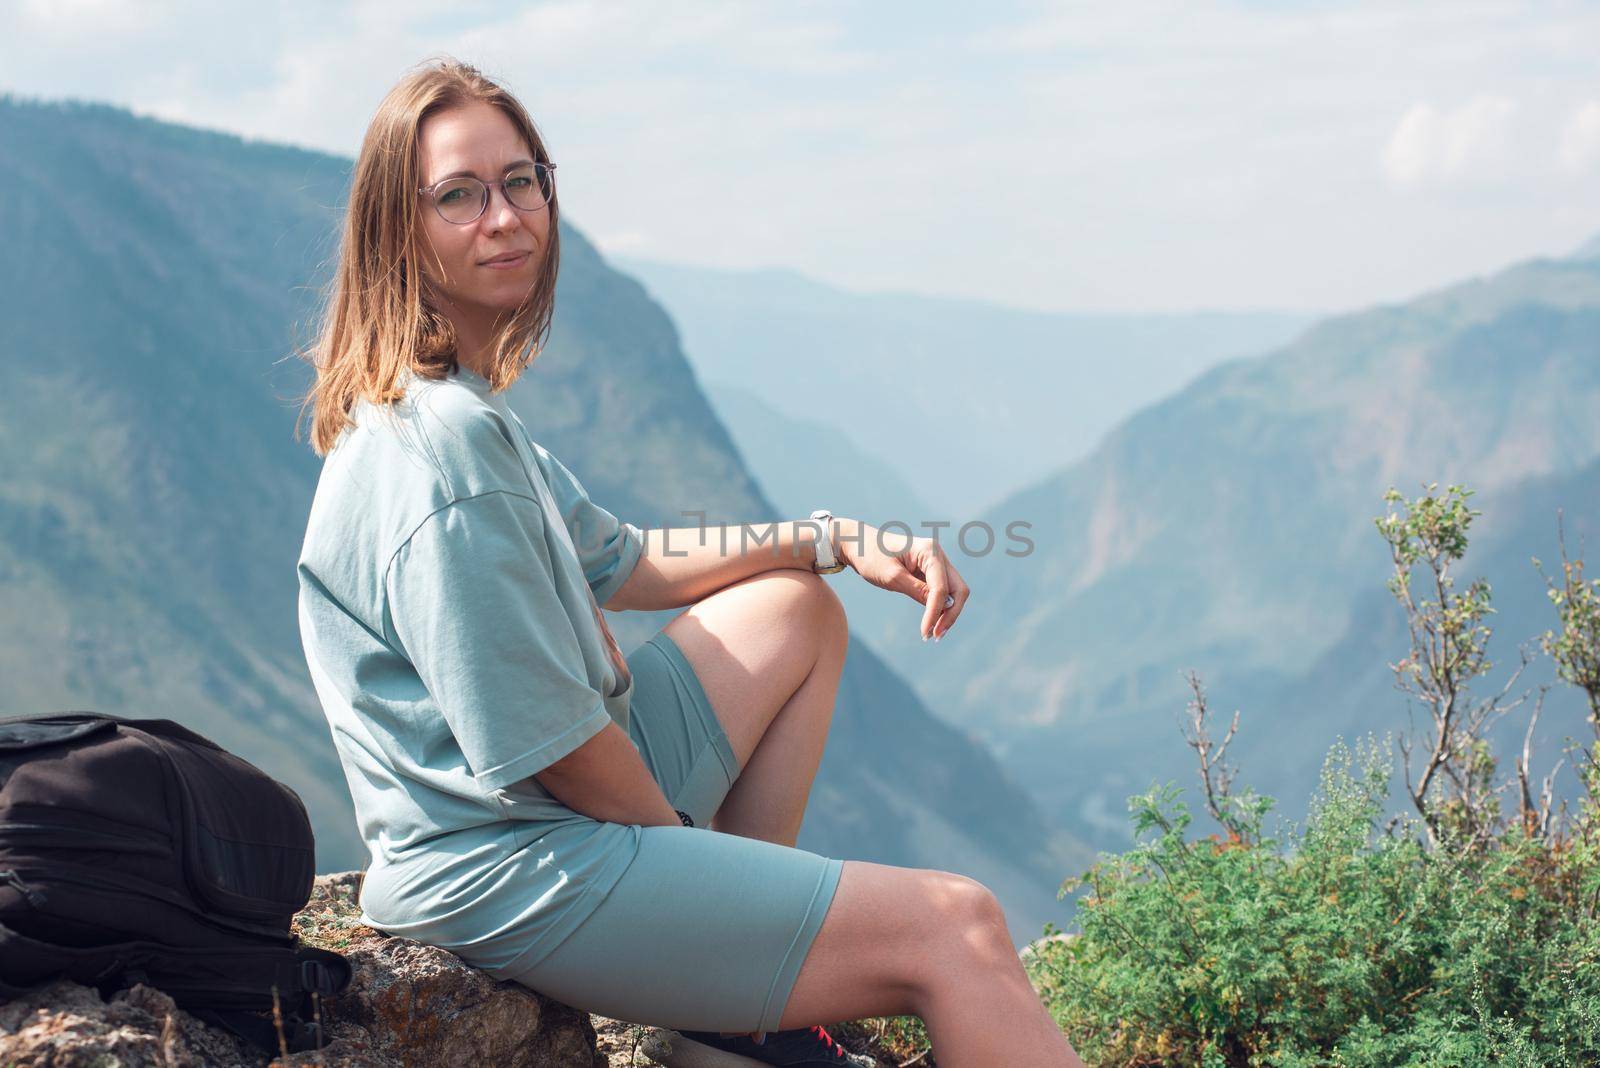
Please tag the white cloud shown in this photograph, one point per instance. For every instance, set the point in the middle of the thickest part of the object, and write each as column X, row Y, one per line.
column 66, row 17
column 1430, row 145
column 1580, row 139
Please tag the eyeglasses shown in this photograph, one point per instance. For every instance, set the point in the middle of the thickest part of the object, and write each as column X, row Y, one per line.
column 461, row 200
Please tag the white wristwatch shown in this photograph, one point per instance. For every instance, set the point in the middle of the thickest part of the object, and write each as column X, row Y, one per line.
column 828, row 561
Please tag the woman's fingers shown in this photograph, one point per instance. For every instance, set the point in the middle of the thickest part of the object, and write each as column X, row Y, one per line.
column 938, row 589
column 953, row 603
column 923, row 573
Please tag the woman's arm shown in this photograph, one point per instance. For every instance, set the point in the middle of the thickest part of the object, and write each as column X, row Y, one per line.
column 606, row 779
column 682, row 565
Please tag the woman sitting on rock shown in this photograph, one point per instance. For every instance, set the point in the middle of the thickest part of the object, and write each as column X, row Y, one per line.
column 615, row 832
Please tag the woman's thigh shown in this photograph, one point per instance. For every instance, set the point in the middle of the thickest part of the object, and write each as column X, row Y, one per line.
column 754, row 642
column 705, row 930
column 713, row 931
column 672, row 723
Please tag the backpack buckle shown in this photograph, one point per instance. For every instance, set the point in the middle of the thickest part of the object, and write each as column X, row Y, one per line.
column 317, row 978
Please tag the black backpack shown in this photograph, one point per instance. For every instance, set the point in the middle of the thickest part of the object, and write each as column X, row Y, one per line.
column 135, row 850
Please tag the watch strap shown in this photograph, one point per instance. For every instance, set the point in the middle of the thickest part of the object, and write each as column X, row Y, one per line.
column 828, row 561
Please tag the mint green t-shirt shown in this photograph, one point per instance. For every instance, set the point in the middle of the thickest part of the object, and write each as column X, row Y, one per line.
column 455, row 653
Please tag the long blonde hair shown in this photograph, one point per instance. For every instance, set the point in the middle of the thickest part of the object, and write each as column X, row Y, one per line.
column 378, row 321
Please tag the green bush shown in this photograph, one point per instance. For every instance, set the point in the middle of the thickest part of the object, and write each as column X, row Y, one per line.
column 1343, row 946
column 1349, row 943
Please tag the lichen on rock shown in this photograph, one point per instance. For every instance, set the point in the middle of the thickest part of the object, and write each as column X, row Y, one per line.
column 407, row 1004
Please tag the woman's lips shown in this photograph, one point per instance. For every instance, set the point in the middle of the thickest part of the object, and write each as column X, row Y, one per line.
column 507, row 265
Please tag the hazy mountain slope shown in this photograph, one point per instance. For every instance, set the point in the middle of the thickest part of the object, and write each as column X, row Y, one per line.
column 156, row 498
column 1351, row 686
column 799, row 461
column 805, row 464
column 1228, row 529
column 968, row 401
column 151, row 501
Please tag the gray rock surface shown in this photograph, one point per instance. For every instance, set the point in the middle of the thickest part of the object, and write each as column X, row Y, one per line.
column 407, row 1005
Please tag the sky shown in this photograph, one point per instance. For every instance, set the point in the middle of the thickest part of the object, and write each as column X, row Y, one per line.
column 1127, row 156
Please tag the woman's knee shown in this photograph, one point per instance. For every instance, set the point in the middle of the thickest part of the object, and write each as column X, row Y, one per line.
column 805, row 597
column 828, row 613
column 962, row 937
column 972, row 916
column 960, row 905
column 959, row 922
column 882, row 949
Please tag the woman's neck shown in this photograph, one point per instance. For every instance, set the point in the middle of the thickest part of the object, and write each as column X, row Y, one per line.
column 474, row 338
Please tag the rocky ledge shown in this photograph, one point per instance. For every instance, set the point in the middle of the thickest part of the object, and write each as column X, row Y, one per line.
column 407, row 1005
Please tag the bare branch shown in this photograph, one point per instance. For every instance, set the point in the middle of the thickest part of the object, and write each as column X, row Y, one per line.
column 1528, row 811
column 1215, row 776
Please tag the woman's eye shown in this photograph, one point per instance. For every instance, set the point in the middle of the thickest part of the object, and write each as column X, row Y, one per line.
column 449, row 196
column 520, row 181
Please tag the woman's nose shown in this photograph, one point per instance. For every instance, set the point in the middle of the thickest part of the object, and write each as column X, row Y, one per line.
column 500, row 214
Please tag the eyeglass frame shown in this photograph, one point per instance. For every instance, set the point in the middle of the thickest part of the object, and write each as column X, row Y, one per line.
column 433, row 195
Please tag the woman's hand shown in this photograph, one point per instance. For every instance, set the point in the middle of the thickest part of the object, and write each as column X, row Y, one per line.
column 916, row 567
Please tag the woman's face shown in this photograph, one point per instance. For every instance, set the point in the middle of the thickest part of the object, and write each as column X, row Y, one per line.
column 480, row 140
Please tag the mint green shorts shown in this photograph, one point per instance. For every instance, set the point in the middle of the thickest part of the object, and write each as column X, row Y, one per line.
column 704, row 930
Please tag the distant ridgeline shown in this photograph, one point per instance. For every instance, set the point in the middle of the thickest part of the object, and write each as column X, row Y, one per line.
column 1229, row 530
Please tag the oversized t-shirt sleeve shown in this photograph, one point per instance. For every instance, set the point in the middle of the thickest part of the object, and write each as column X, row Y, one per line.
column 607, row 548
column 472, row 599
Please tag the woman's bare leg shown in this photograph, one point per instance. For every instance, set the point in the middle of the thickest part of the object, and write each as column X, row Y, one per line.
column 768, row 651
column 904, row 941
column 895, row 941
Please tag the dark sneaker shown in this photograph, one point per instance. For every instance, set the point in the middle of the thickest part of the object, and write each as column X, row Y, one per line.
column 800, row 1047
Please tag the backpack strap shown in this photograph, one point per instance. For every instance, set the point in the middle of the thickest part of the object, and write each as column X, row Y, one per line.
column 226, row 987
column 299, row 1035
column 26, row 963
column 317, row 971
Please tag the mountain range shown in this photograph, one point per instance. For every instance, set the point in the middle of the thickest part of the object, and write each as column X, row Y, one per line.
column 965, row 401
column 1228, row 529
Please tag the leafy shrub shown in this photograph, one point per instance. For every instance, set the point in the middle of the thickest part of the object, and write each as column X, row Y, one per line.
column 1344, row 946
column 1455, row 937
